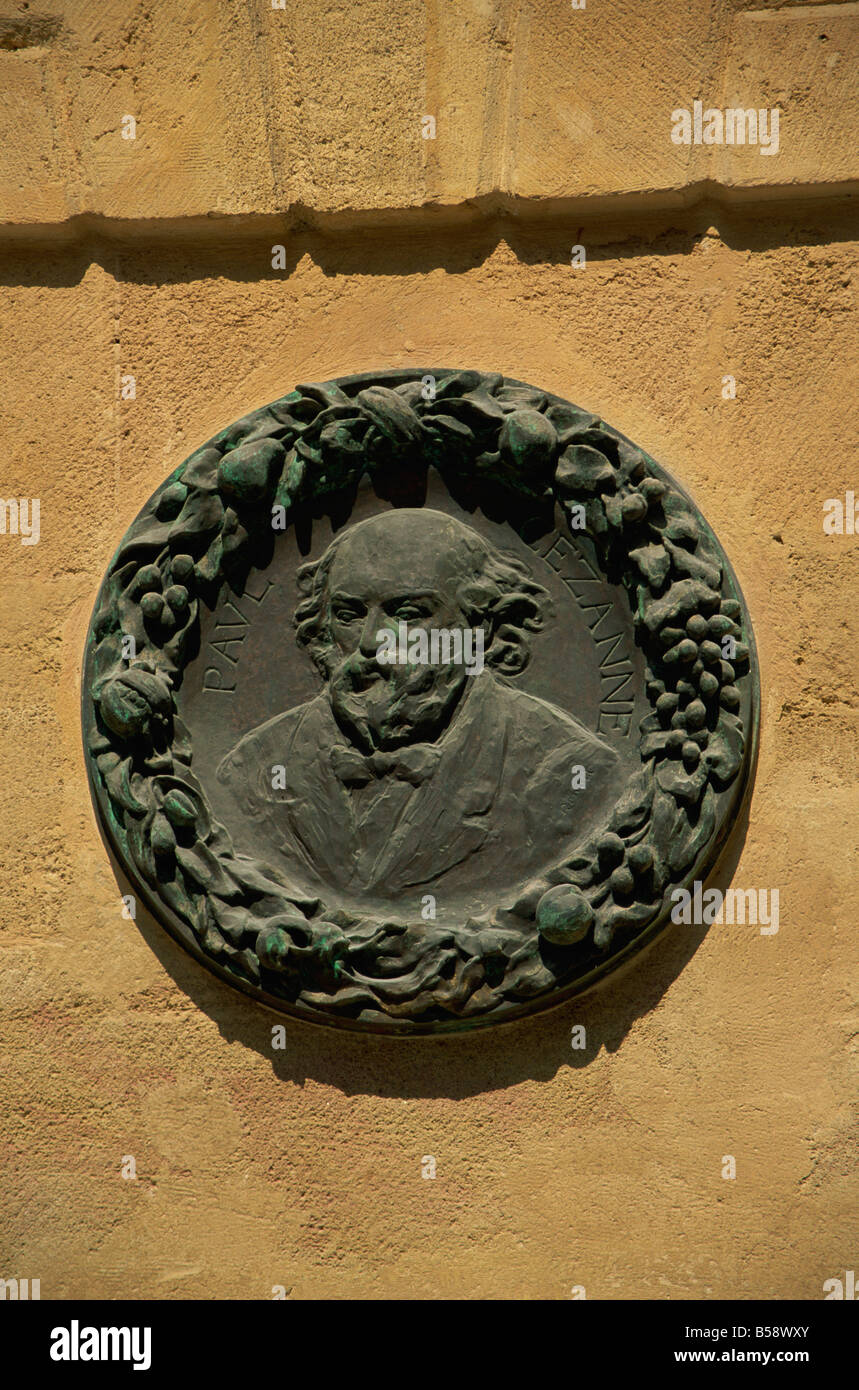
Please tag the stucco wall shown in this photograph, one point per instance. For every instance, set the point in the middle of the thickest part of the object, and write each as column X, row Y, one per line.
column 555, row 1168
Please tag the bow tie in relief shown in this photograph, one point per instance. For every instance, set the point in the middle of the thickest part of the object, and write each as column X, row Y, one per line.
column 407, row 764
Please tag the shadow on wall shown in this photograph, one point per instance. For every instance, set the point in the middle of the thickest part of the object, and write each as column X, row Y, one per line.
column 411, row 242
column 454, row 1066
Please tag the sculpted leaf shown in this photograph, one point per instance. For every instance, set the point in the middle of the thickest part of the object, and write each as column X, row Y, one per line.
column 725, row 750
column 690, row 841
column 653, row 562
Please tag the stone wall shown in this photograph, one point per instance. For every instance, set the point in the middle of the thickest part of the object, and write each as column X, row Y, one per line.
column 152, row 257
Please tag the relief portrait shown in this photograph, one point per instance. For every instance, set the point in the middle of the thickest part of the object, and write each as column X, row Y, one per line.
column 408, row 710
column 439, row 775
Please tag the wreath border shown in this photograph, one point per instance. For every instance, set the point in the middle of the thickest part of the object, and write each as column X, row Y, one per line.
column 492, row 439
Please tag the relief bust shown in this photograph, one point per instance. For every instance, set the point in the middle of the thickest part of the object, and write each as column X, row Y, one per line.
column 396, row 777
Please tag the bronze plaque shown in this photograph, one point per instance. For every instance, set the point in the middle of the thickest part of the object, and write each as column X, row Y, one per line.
column 411, row 697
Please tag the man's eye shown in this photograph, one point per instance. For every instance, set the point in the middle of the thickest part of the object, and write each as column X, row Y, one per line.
column 409, row 611
column 346, row 615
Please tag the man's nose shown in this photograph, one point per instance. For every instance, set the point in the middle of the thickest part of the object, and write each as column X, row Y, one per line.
column 373, row 624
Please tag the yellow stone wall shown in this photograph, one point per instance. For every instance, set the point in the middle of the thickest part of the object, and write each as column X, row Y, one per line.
column 302, row 127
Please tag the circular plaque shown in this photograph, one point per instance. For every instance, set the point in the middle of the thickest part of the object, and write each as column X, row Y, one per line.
column 412, row 698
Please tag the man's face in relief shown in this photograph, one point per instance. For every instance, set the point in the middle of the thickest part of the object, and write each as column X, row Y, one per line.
column 384, row 575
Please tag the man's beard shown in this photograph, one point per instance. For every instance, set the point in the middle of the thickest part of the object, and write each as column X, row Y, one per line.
column 384, row 707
